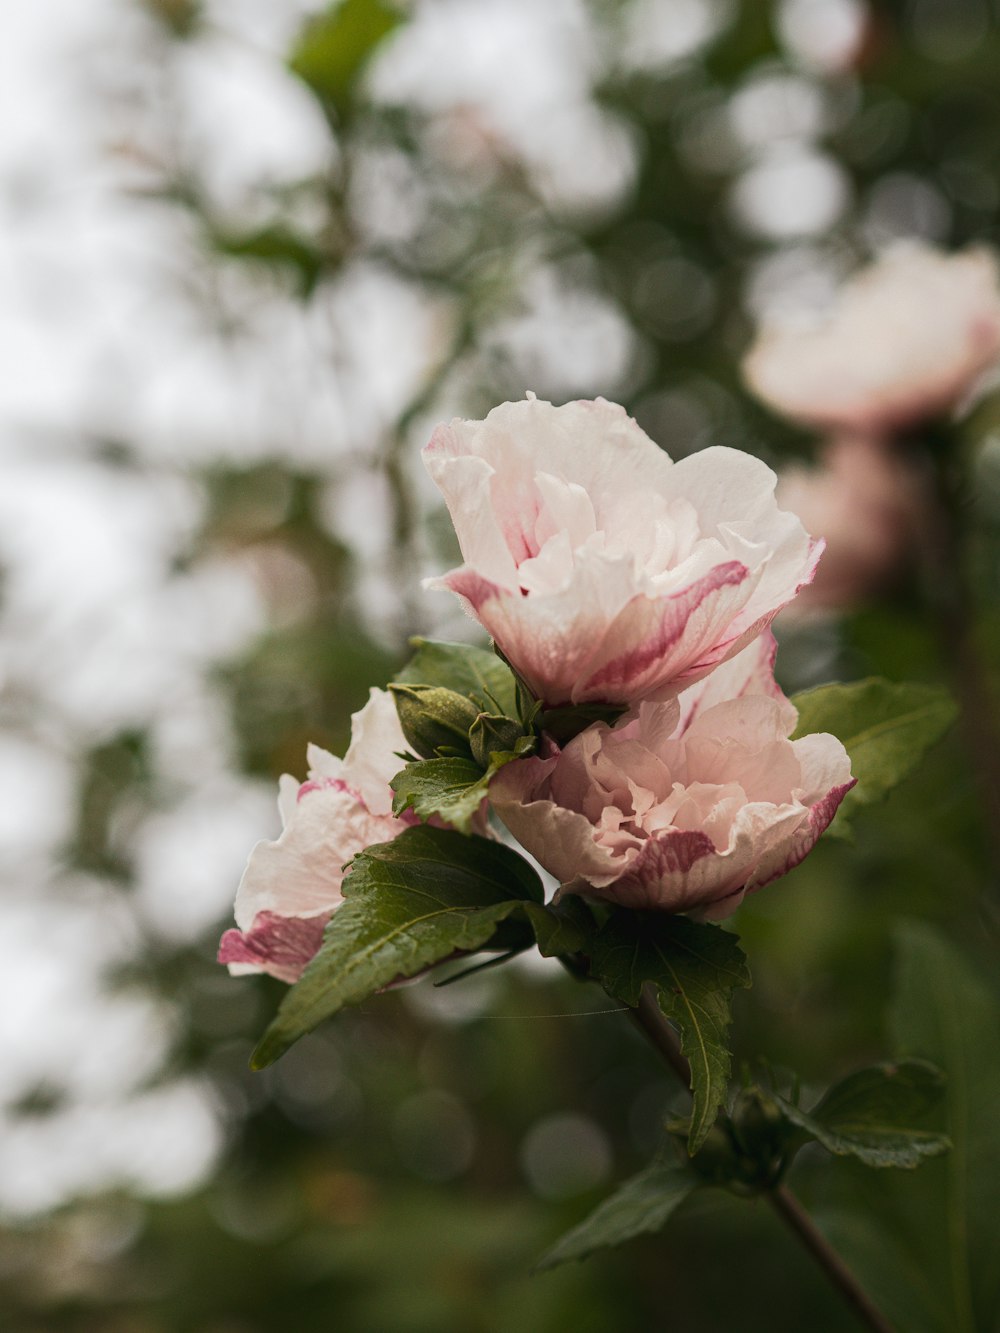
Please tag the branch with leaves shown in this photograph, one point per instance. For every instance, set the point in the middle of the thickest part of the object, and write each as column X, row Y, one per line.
column 639, row 748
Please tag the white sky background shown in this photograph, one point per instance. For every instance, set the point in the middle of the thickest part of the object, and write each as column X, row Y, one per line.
column 103, row 335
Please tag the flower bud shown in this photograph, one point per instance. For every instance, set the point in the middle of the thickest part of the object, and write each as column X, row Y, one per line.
column 492, row 734
column 435, row 720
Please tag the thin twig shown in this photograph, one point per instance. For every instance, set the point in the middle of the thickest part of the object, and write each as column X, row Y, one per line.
column 649, row 1017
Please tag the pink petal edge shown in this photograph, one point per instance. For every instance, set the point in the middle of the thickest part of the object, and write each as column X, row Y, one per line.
column 283, row 946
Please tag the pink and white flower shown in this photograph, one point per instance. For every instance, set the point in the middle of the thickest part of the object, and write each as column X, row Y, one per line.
column 910, row 337
column 603, row 570
column 291, row 887
column 684, row 806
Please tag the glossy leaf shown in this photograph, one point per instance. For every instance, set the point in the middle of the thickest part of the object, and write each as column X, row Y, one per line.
column 409, row 903
column 694, row 968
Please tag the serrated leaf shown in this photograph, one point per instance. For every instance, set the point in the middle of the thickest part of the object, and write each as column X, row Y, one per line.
column 407, row 904
column 476, row 673
column 641, row 1205
column 885, row 728
column 451, row 788
column 874, row 1115
column 333, row 48
column 694, row 968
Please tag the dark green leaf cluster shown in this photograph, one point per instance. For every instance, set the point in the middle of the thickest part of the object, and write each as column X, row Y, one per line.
column 875, row 1115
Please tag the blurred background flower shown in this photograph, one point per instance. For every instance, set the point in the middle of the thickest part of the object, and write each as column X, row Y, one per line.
column 251, row 253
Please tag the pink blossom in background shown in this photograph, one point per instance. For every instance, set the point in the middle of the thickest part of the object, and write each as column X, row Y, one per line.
column 684, row 806
column 910, row 337
column 862, row 500
column 291, row 887
column 602, row 569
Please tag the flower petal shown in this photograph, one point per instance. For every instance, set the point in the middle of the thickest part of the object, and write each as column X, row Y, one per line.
column 279, row 945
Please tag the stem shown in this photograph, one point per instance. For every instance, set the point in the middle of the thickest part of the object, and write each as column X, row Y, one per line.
column 650, row 1018
column 791, row 1212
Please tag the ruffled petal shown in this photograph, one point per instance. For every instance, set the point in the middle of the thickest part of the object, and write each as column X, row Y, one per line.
column 282, row 946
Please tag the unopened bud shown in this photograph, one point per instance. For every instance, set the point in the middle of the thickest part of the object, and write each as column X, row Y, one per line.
column 491, row 734
column 434, row 720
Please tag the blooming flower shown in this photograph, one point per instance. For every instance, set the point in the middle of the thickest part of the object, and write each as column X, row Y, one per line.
column 909, row 338
column 685, row 806
column 291, row 887
column 862, row 501
column 604, row 571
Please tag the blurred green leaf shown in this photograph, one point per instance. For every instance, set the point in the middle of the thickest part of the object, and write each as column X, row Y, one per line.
column 642, row 1204
column 943, row 1011
column 278, row 246
column 694, row 968
column 408, row 904
column 475, row 673
column 885, row 728
column 874, row 1115
column 334, row 47
column 926, row 1243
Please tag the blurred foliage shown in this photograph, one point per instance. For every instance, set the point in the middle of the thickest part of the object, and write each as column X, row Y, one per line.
column 403, row 1169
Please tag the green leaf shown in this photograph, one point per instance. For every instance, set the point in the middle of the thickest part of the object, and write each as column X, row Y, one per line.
column 334, row 47
column 277, row 246
column 694, row 968
column 944, row 1011
column 874, row 1115
column 451, row 788
column 558, row 931
column 407, row 904
column 926, row 1243
column 641, row 1205
column 885, row 728
column 475, row 673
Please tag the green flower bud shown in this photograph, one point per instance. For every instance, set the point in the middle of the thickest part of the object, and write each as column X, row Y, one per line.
column 491, row 734
column 434, row 720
